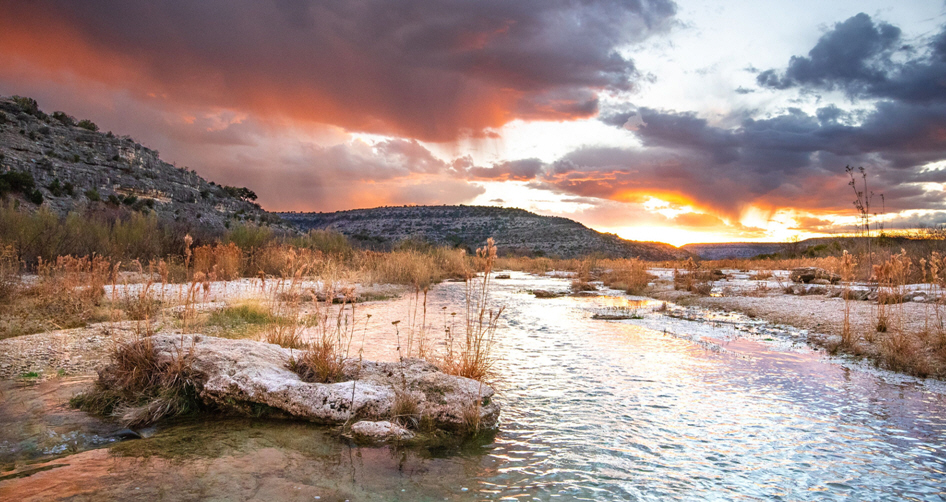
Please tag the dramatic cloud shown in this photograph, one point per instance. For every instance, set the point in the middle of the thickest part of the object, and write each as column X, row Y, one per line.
column 416, row 68
column 352, row 174
column 791, row 160
column 276, row 95
column 868, row 59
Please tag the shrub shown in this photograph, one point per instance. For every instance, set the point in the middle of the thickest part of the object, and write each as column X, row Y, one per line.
column 17, row 182
column 64, row 118
column 36, row 197
column 55, row 188
column 27, row 105
column 329, row 242
column 88, row 125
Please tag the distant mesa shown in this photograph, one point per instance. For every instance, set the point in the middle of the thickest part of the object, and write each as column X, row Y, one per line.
column 516, row 231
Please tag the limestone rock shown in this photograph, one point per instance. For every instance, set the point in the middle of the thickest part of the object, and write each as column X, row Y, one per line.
column 808, row 274
column 245, row 375
column 541, row 293
column 366, row 430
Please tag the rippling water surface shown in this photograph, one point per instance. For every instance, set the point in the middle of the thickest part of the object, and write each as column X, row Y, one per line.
column 648, row 409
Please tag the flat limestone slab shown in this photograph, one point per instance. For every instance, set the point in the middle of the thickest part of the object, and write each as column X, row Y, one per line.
column 243, row 375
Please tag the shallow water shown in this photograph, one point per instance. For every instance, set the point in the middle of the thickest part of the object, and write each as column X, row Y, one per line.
column 646, row 409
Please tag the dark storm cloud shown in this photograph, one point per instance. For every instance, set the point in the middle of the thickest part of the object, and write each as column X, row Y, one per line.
column 794, row 159
column 868, row 59
column 419, row 68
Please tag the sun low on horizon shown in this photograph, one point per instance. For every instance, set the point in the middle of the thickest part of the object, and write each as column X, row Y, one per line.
column 673, row 121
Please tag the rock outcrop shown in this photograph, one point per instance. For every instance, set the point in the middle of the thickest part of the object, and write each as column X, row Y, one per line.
column 245, row 376
column 73, row 165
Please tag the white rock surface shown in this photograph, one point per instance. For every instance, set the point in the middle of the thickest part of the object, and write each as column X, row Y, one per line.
column 241, row 375
column 380, row 431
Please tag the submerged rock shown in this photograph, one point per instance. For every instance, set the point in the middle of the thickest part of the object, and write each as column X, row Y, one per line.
column 252, row 377
column 380, row 431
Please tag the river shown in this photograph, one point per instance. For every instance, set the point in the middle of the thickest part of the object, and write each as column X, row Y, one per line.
column 642, row 409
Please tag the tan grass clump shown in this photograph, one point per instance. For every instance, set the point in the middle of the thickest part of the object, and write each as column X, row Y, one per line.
column 70, row 290
column 224, row 261
column 139, row 389
column 472, row 356
column 629, row 275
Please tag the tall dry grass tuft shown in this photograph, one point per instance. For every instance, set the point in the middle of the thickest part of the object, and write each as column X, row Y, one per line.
column 892, row 276
column 139, row 388
column 225, row 261
column 473, row 357
column 9, row 274
column 287, row 328
column 69, row 290
column 629, row 275
column 323, row 359
column 848, row 264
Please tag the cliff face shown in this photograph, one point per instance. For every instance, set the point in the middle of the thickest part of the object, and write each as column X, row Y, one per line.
column 72, row 165
column 515, row 231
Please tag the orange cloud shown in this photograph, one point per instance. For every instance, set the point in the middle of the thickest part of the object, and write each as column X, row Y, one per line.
column 410, row 68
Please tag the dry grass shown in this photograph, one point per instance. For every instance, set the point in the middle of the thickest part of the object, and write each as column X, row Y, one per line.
column 406, row 409
column 139, row 389
column 288, row 327
column 916, row 353
column 220, row 261
column 848, row 336
column 694, row 277
column 472, row 356
column 629, row 275
column 9, row 274
column 67, row 293
column 322, row 358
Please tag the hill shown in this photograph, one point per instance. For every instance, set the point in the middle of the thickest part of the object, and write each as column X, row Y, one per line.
column 516, row 231
column 67, row 164
column 724, row 250
column 919, row 242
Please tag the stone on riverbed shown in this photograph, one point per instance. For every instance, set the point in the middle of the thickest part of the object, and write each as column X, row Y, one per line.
column 246, row 376
column 380, row 431
column 808, row 274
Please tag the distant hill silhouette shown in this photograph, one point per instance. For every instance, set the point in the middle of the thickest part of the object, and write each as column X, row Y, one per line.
column 516, row 231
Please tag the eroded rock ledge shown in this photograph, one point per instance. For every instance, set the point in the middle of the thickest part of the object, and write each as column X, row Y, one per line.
column 245, row 376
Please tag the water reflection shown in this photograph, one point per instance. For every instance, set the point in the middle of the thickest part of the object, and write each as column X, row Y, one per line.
column 592, row 410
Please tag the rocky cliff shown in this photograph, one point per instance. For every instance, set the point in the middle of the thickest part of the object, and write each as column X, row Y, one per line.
column 71, row 164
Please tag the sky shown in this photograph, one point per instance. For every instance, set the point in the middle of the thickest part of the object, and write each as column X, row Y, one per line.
column 675, row 121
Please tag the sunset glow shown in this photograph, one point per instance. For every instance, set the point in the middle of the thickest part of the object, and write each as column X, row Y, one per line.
column 681, row 122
